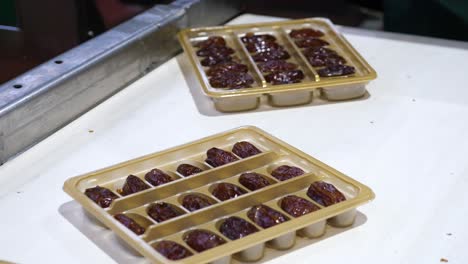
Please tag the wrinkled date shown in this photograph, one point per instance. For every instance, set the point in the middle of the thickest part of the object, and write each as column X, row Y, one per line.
column 285, row 77
column 102, row 196
column 193, row 202
column 235, row 228
column 276, row 54
column 297, row 206
column 232, row 80
column 157, row 177
column 225, row 191
column 226, row 67
column 213, row 41
column 286, row 172
column 187, row 169
column 253, row 181
column 213, row 60
column 217, row 157
column 130, row 224
column 162, row 211
column 172, row 250
column 252, row 38
column 336, row 70
column 318, row 51
column 261, row 46
column 133, row 184
column 201, row 240
column 244, row 149
column 215, row 52
column 305, row 33
column 276, row 66
column 325, row 193
column 265, row 217
column 311, row 42
column 326, row 60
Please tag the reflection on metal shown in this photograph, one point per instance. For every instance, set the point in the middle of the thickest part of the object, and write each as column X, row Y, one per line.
column 39, row 102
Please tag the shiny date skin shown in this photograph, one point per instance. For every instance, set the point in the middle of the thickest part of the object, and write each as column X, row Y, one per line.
column 250, row 37
column 215, row 52
column 294, row 76
column 253, row 181
column 162, row 211
column 226, row 67
column 277, row 54
column 217, row 157
column 188, row 169
column 325, row 193
column 245, row 149
column 130, row 224
column 172, row 250
column 193, row 202
column 336, row 70
column 236, row 227
column 262, row 46
column 133, row 184
column 225, row 191
column 276, row 66
column 214, row 60
column 265, row 216
column 201, row 240
column 297, row 206
column 320, row 60
column 157, row 177
column 286, row 172
column 305, row 33
column 213, row 41
column 318, row 50
column 232, row 80
column 100, row 195
column 311, row 42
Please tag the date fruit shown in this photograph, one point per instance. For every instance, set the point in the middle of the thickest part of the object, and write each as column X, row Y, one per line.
column 276, row 66
column 286, row 172
column 201, row 240
column 261, row 46
column 253, row 181
column 325, row 193
column 244, row 149
column 213, row 41
column 133, row 184
column 157, row 177
column 231, row 80
column 297, row 206
column 265, row 216
column 215, row 52
column 311, row 42
column 305, row 33
column 100, row 195
column 226, row 67
column 187, row 169
column 336, row 70
column 193, row 202
column 276, row 54
column 225, row 191
column 217, row 157
column 236, row 227
column 172, row 250
column 130, row 224
column 162, row 211
column 250, row 37
column 320, row 60
column 294, row 76
column 216, row 59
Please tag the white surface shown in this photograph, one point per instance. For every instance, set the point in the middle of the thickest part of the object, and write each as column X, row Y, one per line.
column 408, row 142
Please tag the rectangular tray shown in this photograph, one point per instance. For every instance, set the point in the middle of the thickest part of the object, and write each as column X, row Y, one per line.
column 250, row 248
column 312, row 87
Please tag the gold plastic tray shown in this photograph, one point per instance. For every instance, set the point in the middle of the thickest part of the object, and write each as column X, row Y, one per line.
column 312, row 88
column 250, row 248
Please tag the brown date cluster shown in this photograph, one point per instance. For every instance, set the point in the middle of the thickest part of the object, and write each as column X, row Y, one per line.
column 329, row 62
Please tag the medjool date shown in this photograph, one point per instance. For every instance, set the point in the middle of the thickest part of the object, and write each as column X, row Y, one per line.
column 130, row 224
column 285, row 77
column 286, row 172
column 252, row 38
column 244, row 149
column 187, row 169
column 216, row 59
column 336, row 70
column 261, row 46
column 102, row 196
column 297, row 206
column 276, row 54
column 213, row 41
column 215, row 51
column 133, row 184
column 231, row 80
column 225, row 191
column 162, row 211
column 265, row 216
column 276, row 66
column 226, row 67
column 253, row 181
column 319, row 60
column 311, row 42
column 201, row 240
column 157, row 177
column 317, row 50
column 217, row 157
column 236, row 227
column 325, row 193
column 193, row 202
column 305, row 33
column 172, row 250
